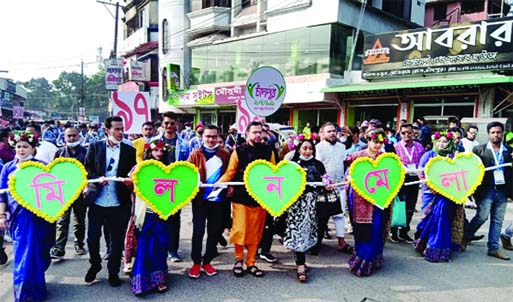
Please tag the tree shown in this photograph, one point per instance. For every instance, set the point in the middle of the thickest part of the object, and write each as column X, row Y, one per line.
column 39, row 94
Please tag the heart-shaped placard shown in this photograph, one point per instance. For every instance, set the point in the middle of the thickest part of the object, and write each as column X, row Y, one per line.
column 275, row 188
column 457, row 178
column 48, row 191
column 166, row 189
column 378, row 181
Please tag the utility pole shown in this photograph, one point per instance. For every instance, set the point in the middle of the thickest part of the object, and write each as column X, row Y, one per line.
column 114, row 52
column 81, row 104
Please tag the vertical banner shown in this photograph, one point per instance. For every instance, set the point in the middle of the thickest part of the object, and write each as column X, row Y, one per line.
column 113, row 74
column 133, row 107
column 18, row 111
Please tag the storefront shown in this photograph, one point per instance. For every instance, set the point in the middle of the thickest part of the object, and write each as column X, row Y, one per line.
column 464, row 70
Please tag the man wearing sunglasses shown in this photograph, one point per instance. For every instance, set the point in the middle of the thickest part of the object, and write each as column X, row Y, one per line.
column 410, row 153
column 469, row 142
column 111, row 207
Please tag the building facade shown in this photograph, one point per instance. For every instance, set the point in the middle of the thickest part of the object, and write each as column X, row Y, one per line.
column 12, row 100
column 214, row 47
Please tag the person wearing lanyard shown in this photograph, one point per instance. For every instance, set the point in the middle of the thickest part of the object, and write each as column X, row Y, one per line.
column 492, row 194
column 410, row 153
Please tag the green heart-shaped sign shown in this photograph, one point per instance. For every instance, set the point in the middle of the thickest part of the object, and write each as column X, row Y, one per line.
column 378, row 181
column 166, row 189
column 275, row 188
column 48, row 191
column 457, row 178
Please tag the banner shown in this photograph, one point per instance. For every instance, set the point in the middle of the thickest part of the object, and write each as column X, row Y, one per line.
column 136, row 71
column 133, row 107
column 113, row 74
column 265, row 91
column 483, row 45
column 244, row 116
column 229, row 95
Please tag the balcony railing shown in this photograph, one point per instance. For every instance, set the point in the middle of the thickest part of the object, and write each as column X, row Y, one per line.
column 209, row 20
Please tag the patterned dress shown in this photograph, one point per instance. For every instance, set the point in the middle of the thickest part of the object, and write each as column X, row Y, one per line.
column 301, row 221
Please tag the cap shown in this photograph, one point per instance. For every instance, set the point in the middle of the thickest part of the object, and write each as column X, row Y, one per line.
column 200, row 124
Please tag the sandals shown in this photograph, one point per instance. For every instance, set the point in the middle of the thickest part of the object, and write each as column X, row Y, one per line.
column 347, row 249
column 255, row 271
column 237, row 270
column 161, row 289
column 301, row 275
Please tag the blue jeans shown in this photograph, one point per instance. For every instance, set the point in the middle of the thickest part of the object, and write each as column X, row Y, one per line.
column 493, row 204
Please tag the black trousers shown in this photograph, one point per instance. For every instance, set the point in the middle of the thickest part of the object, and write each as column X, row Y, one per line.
column 409, row 194
column 174, row 232
column 115, row 220
column 267, row 235
column 207, row 214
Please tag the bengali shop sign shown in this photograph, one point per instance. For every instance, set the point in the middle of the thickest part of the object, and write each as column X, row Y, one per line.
column 483, row 45
column 113, row 74
column 229, row 95
column 265, row 91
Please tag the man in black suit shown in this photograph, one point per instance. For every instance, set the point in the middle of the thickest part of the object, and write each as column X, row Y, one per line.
column 492, row 194
column 111, row 206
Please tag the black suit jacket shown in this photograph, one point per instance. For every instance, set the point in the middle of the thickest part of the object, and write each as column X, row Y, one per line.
column 488, row 160
column 95, row 165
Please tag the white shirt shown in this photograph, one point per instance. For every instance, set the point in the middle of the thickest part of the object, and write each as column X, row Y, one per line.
column 468, row 145
column 332, row 156
column 45, row 152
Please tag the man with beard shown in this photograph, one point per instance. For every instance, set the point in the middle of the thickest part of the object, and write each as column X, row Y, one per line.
column 332, row 153
column 248, row 216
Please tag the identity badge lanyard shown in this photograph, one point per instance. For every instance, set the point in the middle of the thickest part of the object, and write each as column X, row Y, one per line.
column 498, row 174
column 411, row 167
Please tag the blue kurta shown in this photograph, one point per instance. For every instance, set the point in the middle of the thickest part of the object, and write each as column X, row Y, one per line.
column 33, row 237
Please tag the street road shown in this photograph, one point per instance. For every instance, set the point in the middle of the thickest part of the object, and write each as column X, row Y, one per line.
column 471, row 276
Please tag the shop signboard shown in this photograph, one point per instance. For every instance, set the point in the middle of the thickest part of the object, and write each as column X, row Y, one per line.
column 265, row 91
column 133, row 107
column 136, row 71
column 476, row 46
column 229, row 95
column 18, row 111
column 191, row 97
column 113, row 74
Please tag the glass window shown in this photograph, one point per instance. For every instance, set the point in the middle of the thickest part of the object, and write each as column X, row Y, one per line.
column 165, row 36
column 472, row 6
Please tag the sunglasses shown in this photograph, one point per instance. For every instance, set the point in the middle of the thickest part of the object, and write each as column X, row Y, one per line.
column 111, row 163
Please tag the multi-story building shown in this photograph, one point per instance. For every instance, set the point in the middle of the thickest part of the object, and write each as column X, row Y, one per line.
column 208, row 48
column 12, row 100
column 460, row 64
column 139, row 47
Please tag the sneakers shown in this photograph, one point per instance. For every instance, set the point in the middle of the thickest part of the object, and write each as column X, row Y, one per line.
column 268, row 257
column 506, row 243
column 175, row 257
column 499, row 255
column 80, row 250
column 209, row 269
column 56, row 254
column 394, row 238
column 195, row 270
column 91, row 274
column 222, row 241
column 3, row 257
column 406, row 238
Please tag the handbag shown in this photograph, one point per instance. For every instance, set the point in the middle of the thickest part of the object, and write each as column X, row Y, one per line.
column 328, row 203
column 398, row 213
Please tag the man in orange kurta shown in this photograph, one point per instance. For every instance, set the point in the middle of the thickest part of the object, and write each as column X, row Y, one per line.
column 248, row 216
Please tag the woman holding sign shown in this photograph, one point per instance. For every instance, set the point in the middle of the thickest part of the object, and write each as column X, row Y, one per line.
column 369, row 222
column 150, row 267
column 33, row 236
column 442, row 224
column 301, row 220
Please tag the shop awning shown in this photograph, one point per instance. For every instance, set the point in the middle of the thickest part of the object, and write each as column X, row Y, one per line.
column 419, row 83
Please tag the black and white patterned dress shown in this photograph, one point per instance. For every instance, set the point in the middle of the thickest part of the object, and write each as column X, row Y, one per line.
column 301, row 221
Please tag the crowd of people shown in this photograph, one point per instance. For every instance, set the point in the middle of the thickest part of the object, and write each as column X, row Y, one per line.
column 140, row 243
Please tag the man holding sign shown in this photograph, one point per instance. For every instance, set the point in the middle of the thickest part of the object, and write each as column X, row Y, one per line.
column 248, row 216
column 492, row 194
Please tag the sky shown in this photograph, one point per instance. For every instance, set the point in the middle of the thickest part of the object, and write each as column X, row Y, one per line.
column 42, row 38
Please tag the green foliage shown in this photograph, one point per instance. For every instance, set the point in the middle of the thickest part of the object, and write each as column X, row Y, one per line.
column 64, row 95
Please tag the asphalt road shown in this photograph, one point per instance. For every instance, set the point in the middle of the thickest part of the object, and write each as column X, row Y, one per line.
column 470, row 276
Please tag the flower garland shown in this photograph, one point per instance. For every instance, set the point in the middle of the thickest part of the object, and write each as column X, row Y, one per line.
column 437, row 135
column 158, row 144
column 379, row 138
column 20, row 136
